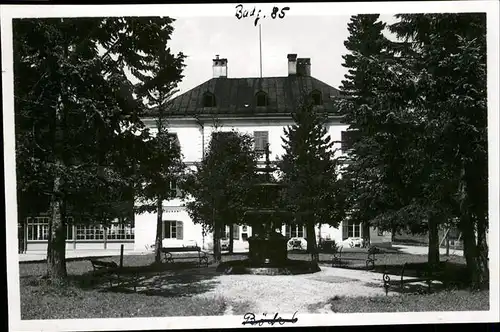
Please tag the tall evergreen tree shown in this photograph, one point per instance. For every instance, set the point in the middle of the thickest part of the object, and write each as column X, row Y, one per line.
column 386, row 190
column 74, row 106
column 448, row 53
column 219, row 188
column 164, row 169
column 373, row 173
column 311, row 172
column 428, row 130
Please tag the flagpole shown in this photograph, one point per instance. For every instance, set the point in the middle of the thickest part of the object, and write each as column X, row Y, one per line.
column 260, row 49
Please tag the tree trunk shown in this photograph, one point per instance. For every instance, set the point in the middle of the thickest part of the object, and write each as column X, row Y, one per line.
column 470, row 249
column 231, row 238
column 217, row 249
column 319, row 235
column 393, row 233
column 56, row 246
column 366, row 234
column 433, row 254
column 217, row 232
column 159, row 230
column 477, row 266
column 311, row 241
column 482, row 251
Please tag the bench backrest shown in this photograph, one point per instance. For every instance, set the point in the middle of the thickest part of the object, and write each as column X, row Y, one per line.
column 180, row 249
column 101, row 264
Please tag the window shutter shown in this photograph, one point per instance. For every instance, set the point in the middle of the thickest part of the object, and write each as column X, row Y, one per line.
column 166, row 229
column 261, row 97
column 174, row 190
column 236, row 232
column 288, row 231
column 345, row 229
column 261, row 139
column 180, row 233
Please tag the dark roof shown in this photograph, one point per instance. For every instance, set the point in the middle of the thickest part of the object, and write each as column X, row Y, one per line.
column 232, row 94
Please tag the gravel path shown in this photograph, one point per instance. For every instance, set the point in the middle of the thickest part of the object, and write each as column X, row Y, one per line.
column 307, row 293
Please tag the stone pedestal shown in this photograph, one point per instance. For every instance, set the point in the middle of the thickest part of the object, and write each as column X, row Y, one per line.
column 267, row 250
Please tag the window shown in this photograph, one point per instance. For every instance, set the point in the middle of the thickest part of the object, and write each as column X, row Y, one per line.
column 69, row 229
column 38, row 228
column 348, row 138
column 244, row 233
column 261, row 99
column 380, row 232
column 172, row 229
column 295, row 230
column 351, row 229
column 208, row 99
column 261, row 138
column 174, row 190
column 236, row 232
column 89, row 232
column 119, row 231
column 316, row 97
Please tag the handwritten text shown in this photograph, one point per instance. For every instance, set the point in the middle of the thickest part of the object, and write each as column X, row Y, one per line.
column 241, row 12
column 249, row 318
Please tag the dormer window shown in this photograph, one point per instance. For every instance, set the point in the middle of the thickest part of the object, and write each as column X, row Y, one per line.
column 316, row 98
column 261, row 99
column 208, row 99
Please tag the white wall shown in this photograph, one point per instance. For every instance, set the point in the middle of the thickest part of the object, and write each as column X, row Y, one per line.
column 145, row 228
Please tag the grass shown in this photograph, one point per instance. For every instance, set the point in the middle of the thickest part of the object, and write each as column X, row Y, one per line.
column 50, row 302
column 172, row 290
column 422, row 240
column 455, row 300
column 165, row 291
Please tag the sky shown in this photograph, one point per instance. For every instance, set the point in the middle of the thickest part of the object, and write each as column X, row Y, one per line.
column 320, row 38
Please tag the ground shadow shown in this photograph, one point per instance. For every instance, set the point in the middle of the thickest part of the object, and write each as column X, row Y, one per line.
column 170, row 280
column 450, row 276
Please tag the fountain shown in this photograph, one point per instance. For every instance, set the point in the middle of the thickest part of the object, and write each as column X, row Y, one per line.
column 267, row 247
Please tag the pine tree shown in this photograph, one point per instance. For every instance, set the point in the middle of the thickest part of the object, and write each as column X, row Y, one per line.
column 164, row 167
column 373, row 175
column 220, row 186
column 448, row 53
column 310, row 172
column 77, row 121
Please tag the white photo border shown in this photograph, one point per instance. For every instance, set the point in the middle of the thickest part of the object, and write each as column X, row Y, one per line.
column 9, row 12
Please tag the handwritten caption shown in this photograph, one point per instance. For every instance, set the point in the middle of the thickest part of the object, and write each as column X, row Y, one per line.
column 277, row 12
column 249, row 318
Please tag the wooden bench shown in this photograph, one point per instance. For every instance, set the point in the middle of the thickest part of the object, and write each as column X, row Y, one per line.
column 426, row 274
column 339, row 261
column 198, row 254
column 113, row 272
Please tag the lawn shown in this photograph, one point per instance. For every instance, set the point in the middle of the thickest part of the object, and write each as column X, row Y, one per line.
column 453, row 300
column 170, row 293
column 172, row 290
column 423, row 240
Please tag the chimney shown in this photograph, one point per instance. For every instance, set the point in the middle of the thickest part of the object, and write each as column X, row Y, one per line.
column 219, row 67
column 292, row 64
column 304, row 67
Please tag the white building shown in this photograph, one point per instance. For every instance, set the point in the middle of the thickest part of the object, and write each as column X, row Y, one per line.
column 257, row 106
column 260, row 107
